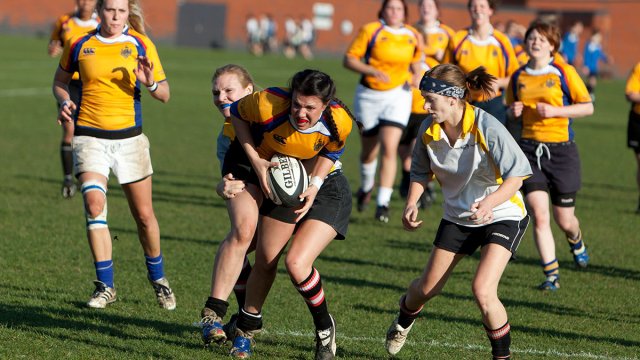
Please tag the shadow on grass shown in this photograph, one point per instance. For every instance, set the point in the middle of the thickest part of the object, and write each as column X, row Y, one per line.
column 163, row 236
column 610, row 271
column 364, row 262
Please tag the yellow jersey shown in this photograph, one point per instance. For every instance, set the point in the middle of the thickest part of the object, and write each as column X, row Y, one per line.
column 389, row 50
column 436, row 38
column 557, row 84
column 495, row 54
column 633, row 86
column 110, row 106
column 70, row 25
column 273, row 130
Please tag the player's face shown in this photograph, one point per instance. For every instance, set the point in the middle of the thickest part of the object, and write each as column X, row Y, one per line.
column 306, row 110
column 227, row 89
column 393, row 13
column 113, row 15
column 480, row 11
column 429, row 10
column 86, row 7
column 538, row 46
column 439, row 106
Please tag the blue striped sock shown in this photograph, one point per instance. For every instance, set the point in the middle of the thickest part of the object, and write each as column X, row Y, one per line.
column 155, row 266
column 104, row 272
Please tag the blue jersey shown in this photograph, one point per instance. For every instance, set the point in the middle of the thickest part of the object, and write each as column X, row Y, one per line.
column 592, row 55
column 569, row 47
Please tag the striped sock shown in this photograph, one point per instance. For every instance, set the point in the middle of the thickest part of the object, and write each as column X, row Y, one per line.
column 104, row 272
column 311, row 291
column 500, row 341
column 407, row 316
column 577, row 246
column 240, row 288
column 551, row 269
column 155, row 267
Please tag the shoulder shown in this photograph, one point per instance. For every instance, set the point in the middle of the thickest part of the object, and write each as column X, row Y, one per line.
column 460, row 35
column 341, row 117
column 412, row 29
column 447, row 29
column 502, row 39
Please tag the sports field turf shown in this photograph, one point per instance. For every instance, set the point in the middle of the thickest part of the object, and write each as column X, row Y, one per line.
column 46, row 267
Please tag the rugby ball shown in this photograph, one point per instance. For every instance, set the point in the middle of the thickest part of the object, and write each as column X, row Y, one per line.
column 287, row 180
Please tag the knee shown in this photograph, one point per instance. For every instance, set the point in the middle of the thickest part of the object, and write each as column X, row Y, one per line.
column 242, row 234
column 94, row 208
column 483, row 296
column 145, row 217
column 296, row 268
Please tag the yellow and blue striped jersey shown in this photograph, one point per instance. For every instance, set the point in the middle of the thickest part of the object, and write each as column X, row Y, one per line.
column 69, row 26
column 557, row 84
column 633, row 86
column 273, row 130
column 436, row 38
column 110, row 105
column 495, row 54
column 389, row 50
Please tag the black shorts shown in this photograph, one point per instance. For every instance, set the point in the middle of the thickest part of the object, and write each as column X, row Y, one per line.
column 237, row 163
column 332, row 206
column 411, row 131
column 559, row 175
column 461, row 239
column 633, row 132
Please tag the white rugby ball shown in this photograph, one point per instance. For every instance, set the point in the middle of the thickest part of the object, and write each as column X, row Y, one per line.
column 287, row 180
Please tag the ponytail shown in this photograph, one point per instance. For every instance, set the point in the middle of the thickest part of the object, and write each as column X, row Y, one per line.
column 480, row 80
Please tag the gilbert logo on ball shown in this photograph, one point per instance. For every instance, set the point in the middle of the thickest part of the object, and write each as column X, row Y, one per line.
column 287, row 180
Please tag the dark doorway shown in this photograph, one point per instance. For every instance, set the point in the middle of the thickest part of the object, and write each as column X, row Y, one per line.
column 201, row 25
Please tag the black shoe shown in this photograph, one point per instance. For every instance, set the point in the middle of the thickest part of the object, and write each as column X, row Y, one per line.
column 326, row 342
column 382, row 214
column 364, row 198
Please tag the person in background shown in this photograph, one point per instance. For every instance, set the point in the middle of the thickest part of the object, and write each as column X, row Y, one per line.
column 569, row 46
column 480, row 168
column 254, row 35
column 382, row 52
column 81, row 21
column 115, row 62
column 632, row 92
column 593, row 55
column 545, row 95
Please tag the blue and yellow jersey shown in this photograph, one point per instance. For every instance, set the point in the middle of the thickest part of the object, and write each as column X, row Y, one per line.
column 557, row 84
column 273, row 130
column 389, row 50
column 110, row 105
column 69, row 26
column 471, row 168
column 228, row 130
column 521, row 55
column 633, row 86
column 436, row 38
column 417, row 101
column 495, row 54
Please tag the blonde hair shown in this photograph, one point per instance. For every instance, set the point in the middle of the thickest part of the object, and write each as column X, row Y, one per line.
column 240, row 72
column 136, row 17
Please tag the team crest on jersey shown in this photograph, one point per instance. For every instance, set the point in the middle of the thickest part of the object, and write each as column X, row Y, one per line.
column 89, row 51
column 495, row 53
column 520, row 86
column 550, row 83
column 126, row 52
column 279, row 139
column 318, row 145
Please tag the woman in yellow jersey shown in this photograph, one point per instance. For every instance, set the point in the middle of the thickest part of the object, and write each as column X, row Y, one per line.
column 480, row 168
column 544, row 96
column 632, row 92
column 482, row 45
column 115, row 62
column 83, row 20
column 303, row 121
column 383, row 52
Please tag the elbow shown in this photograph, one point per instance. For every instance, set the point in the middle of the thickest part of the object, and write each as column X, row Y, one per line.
column 589, row 109
column 165, row 99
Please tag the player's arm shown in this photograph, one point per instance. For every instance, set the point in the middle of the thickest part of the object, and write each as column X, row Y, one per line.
column 145, row 74
column 61, row 92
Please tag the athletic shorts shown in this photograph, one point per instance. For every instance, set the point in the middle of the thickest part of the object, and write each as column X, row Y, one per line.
column 411, row 131
column 382, row 108
column 129, row 159
column 462, row 239
column 237, row 163
column 559, row 170
column 633, row 132
column 332, row 206
column 494, row 107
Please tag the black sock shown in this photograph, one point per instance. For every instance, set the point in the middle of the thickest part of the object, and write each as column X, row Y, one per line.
column 407, row 316
column 313, row 294
column 248, row 321
column 500, row 341
column 217, row 305
column 66, row 155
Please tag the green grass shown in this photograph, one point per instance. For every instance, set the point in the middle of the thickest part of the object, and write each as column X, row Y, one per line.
column 46, row 267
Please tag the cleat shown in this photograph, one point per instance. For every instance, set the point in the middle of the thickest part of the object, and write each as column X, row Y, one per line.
column 382, row 214
column 551, row 284
column 164, row 294
column 363, row 199
column 396, row 337
column 212, row 328
column 102, row 296
column 326, row 342
column 581, row 259
column 69, row 188
column 230, row 327
column 242, row 343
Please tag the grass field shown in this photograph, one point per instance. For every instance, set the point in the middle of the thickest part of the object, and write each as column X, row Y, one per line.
column 46, row 267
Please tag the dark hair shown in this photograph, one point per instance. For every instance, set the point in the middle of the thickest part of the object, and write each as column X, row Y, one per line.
column 478, row 79
column 316, row 83
column 493, row 4
column 384, row 5
column 548, row 30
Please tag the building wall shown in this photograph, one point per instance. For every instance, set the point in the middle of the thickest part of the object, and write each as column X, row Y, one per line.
column 616, row 18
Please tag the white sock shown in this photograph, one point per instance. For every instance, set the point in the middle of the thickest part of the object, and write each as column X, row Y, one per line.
column 368, row 175
column 384, row 196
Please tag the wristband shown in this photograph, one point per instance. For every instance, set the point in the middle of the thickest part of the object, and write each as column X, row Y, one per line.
column 153, row 87
column 317, row 181
column 65, row 103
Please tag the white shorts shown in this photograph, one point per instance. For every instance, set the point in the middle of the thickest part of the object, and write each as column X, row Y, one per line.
column 393, row 106
column 129, row 158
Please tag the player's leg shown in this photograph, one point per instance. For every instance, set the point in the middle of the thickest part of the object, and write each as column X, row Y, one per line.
column 538, row 204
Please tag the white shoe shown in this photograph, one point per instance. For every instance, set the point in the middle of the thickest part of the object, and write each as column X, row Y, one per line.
column 396, row 336
column 102, row 296
column 164, row 294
